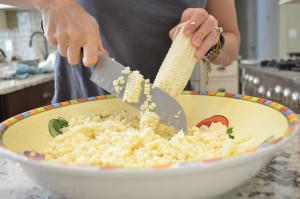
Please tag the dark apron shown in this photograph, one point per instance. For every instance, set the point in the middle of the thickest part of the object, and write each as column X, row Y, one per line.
column 134, row 32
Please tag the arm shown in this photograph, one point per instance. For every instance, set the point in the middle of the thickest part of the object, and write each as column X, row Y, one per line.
column 224, row 12
column 201, row 29
column 68, row 27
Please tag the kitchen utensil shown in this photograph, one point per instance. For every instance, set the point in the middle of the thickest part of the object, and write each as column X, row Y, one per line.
column 170, row 111
column 197, row 179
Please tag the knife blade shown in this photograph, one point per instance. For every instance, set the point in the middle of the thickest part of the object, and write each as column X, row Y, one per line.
column 170, row 111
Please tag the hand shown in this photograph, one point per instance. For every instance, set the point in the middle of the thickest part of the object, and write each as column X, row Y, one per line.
column 73, row 31
column 201, row 29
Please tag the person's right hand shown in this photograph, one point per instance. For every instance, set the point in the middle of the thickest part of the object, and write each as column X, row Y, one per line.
column 73, row 31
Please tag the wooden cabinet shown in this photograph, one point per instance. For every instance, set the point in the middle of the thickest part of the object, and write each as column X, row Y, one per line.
column 221, row 79
column 26, row 99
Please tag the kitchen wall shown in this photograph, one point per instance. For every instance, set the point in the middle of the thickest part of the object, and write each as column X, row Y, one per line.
column 14, row 39
column 268, row 29
column 259, row 27
column 246, row 16
column 289, row 29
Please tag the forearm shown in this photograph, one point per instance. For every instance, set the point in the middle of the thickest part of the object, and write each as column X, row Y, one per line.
column 230, row 50
column 224, row 12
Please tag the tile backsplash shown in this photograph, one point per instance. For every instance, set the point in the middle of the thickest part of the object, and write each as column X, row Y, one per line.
column 15, row 39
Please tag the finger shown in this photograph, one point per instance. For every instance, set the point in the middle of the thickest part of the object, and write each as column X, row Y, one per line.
column 62, row 49
column 187, row 14
column 90, row 54
column 172, row 32
column 51, row 39
column 210, row 40
column 74, row 54
column 49, row 28
column 63, row 43
column 206, row 27
column 101, row 48
column 184, row 17
column 195, row 19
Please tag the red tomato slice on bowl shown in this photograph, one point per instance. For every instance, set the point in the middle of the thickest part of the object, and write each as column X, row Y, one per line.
column 214, row 119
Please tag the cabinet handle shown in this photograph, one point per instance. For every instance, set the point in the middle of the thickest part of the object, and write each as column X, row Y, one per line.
column 46, row 95
column 221, row 68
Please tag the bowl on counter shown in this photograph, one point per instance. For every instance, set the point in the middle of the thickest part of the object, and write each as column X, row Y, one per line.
column 262, row 118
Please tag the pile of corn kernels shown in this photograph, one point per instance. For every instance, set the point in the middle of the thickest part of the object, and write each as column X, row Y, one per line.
column 113, row 139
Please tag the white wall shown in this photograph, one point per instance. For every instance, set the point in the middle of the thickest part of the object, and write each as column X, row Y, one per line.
column 267, row 29
column 246, row 15
column 289, row 29
column 20, row 25
column 259, row 27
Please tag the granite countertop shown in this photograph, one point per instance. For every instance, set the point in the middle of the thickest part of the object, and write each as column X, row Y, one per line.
column 9, row 86
column 280, row 179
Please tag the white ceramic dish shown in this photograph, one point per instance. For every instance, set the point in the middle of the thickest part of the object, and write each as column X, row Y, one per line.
column 29, row 131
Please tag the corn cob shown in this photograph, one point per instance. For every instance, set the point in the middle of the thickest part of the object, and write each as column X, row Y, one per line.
column 177, row 66
column 133, row 87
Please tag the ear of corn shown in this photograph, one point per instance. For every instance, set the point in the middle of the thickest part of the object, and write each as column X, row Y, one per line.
column 172, row 77
column 177, row 66
column 133, row 87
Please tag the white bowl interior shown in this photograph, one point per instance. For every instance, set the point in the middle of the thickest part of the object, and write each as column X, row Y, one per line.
column 246, row 117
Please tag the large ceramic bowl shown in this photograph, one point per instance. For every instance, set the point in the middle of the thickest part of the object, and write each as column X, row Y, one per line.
column 263, row 118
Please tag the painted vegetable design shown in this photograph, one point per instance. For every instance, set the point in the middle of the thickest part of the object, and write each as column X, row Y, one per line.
column 217, row 118
column 56, row 125
column 214, row 119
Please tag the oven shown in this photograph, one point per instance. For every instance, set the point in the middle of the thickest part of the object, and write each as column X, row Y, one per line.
column 275, row 80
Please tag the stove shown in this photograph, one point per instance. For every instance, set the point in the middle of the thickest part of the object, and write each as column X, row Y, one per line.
column 285, row 65
column 275, row 80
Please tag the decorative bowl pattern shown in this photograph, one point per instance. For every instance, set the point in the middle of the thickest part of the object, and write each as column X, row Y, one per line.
column 28, row 131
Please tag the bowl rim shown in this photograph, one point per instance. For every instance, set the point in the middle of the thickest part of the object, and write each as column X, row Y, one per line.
column 261, row 150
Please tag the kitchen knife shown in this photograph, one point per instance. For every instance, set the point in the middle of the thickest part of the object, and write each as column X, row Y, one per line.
column 170, row 111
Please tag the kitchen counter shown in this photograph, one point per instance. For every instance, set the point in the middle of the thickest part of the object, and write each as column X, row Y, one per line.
column 279, row 179
column 33, row 92
column 9, row 86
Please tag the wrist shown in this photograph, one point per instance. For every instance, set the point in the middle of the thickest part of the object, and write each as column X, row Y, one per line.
column 41, row 5
column 214, row 51
column 44, row 5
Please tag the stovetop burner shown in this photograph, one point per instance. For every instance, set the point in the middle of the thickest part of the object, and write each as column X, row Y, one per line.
column 289, row 64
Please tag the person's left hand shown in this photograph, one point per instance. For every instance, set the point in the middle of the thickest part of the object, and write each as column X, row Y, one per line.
column 201, row 28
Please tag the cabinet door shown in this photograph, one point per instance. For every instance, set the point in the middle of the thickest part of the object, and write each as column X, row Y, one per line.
column 226, row 84
column 223, row 79
column 29, row 98
column 224, row 71
column 2, row 109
